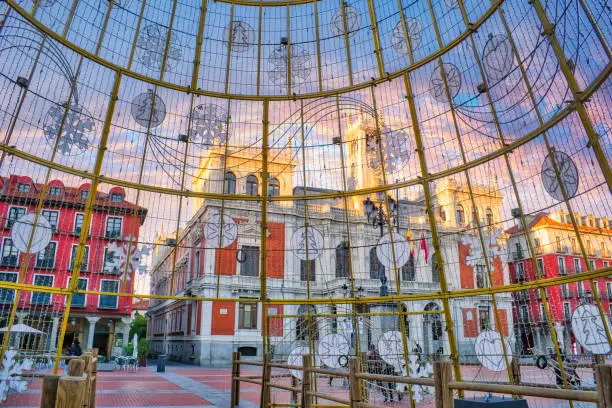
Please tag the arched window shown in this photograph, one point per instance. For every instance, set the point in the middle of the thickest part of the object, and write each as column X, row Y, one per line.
column 229, row 187
column 376, row 268
column 489, row 216
column 408, row 269
column 460, row 214
column 273, row 187
column 252, row 185
column 342, row 261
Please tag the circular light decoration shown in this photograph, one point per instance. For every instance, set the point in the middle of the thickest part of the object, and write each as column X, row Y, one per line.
column 307, row 235
column 391, row 349
column 209, row 124
column 243, row 36
column 148, row 109
column 436, row 83
column 415, row 34
column 497, row 57
column 151, row 44
column 353, row 21
column 568, row 175
column 330, row 348
column 401, row 249
column 301, row 65
column 490, row 352
column 220, row 236
column 22, row 229
column 74, row 128
column 589, row 329
column 295, row 359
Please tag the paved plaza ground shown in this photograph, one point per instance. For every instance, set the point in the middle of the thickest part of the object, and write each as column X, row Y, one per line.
column 183, row 386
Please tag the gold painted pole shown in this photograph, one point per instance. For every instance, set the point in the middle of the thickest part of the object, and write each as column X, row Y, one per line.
column 168, row 38
column 375, row 35
column 288, row 49
column 346, row 42
column 259, row 48
column 318, row 44
column 229, row 49
column 136, row 34
column 104, row 25
column 263, row 294
column 69, row 18
column 198, row 49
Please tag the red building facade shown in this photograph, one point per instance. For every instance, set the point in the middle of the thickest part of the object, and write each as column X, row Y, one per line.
column 558, row 253
column 98, row 321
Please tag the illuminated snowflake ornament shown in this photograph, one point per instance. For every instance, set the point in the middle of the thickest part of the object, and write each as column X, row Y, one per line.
column 568, row 175
column 74, row 129
column 396, row 150
column 476, row 257
column 398, row 37
column 497, row 57
column 12, row 368
column 242, row 37
column 122, row 257
column 301, row 65
column 151, row 44
column 353, row 21
column 209, row 125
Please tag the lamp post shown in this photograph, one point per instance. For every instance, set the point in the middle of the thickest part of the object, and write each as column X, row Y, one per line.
column 378, row 218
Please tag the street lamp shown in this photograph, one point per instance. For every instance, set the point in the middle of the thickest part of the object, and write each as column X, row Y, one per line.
column 378, row 218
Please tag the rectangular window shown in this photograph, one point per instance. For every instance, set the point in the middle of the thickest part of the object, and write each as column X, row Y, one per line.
column 106, row 301
column 14, row 214
column 39, row 298
column 116, row 198
column 78, row 223
column 542, row 312
column 565, row 291
column 561, row 263
column 7, row 295
column 23, row 188
column 481, row 277
column 109, row 262
column 577, row 265
column 540, row 262
column 84, row 261
column 483, row 318
column 567, row 312
column 113, row 227
column 55, row 191
column 250, row 265
column 84, row 194
column 247, row 316
column 78, row 299
column 580, row 289
column 520, row 271
column 525, row 313
column 307, row 270
column 52, row 217
column 46, row 258
column 592, row 264
column 606, row 264
column 609, row 290
column 10, row 253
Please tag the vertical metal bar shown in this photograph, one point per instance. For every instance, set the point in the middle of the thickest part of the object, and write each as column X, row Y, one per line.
column 75, row 3
column 136, row 34
column 549, row 31
column 400, row 7
column 263, row 294
column 89, row 207
column 288, row 50
column 377, row 47
column 104, row 25
column 229, row 49
column 198, row 50
column 596, row 28
column 454, row 355
column 168, row 38
column 259, row 48
column 318, row 44
column 346, row 43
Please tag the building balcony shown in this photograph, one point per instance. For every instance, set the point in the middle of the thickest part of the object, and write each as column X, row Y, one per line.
column 516, row 255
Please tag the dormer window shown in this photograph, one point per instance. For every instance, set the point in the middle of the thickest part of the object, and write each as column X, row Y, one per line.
column 55, row 191
column 84, row 194
column 116, row 198
column 23, row 188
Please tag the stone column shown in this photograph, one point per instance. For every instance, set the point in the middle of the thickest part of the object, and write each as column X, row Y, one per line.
column 92, row 328
column 53, row 337
column 126, row 323
column 21, row 316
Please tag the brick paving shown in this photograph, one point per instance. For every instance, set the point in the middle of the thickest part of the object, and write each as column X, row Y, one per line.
column 183, row 386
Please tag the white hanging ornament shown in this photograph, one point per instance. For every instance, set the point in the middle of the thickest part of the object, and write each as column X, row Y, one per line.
column 12, row 368
column 22, row 229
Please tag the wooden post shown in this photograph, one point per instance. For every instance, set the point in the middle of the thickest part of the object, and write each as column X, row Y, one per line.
column 600, row 359
column 515, row 366
column 49, row 391
column 235, row 397
column 363, row 367
column 294, row 394
column 306, row 386
column 603, row 378
column 443, row 373
column 93, row 382
column 265, row 381
column 87, row 358
column 354, row 382
column 76, row 368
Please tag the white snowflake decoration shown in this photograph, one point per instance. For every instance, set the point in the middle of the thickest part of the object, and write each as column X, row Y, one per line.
column 301, row 65
column 419, row 369
column 476, row 257
column 152, row 45
column 415, row 35
column 123, row 257
column 9, row 374
column 396, row 147
column 209, row 125
column 74, row 134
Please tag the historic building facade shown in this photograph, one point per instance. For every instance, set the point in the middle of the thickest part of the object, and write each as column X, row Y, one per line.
column 207, row 332
column 96, row 320
column 558, row 253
